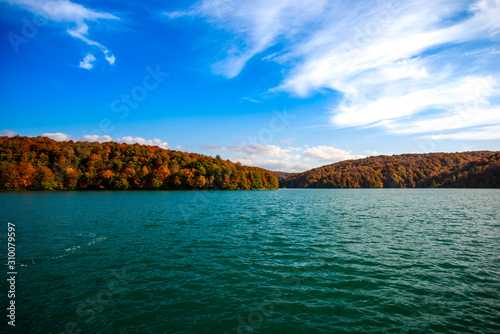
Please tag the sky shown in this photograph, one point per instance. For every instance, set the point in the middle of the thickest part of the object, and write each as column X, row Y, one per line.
column 287, row 85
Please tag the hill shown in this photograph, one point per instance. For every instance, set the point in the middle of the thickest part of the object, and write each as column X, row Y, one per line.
column 283, row 175
column 467, row 169
column 28, row 163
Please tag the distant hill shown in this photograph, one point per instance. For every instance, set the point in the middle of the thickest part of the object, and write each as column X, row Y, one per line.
column 40, row 163
column 283, row 175
column 467, row 169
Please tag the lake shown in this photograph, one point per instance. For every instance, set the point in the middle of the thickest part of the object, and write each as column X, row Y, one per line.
column 286, row 261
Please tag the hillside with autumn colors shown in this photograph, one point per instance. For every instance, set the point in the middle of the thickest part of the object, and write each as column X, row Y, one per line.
column 29, row 163
column 479, row 169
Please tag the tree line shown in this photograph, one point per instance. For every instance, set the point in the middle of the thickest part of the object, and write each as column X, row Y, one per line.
column 40, row 163
column 480, row 169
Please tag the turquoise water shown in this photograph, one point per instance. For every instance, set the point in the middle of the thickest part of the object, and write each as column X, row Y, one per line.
column 286, row 261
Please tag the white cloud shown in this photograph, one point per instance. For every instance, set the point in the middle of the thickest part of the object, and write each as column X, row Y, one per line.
column 58, row 136
column 395, row 63
column 142, row 141
column 486, row 133
column 256, row 149
column 459, row 96
column 61, row 10
column 450, row 121
column 273, row 164
column 8, row 133
column 93, row 138
column 288, row 159
column 262, row 155
column 87, row 61
column 257, row 25
column 329, row 154
column 251, row 100
column 65, row 11
column 382, row 45
column 81, row 32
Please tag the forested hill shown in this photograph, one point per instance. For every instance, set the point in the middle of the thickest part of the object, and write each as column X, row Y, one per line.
column 455, row 170
column 283, row 175
column 43, row 164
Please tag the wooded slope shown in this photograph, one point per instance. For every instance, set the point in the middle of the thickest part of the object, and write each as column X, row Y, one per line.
column 43, row 164
column 479, row 169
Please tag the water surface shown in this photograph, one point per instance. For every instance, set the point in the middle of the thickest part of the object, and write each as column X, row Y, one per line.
column 286, row 261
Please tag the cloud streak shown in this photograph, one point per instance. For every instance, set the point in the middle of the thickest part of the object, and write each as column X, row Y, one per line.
column 398, row 65
column 256, row 25
column 76, row 15
column 485, row 133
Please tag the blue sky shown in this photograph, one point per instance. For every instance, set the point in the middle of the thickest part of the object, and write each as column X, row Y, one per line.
column 286, row 85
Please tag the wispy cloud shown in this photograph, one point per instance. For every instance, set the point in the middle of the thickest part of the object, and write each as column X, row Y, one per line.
column 452, row 121
column 81, row 32
column 256, row 25
column 485, row 133
column 72, row 14
column 398, row 64
column 251, row 100
column 87, row 61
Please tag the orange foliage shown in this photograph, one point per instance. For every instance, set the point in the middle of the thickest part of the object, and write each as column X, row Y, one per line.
column 41, row 163
column 467, row 169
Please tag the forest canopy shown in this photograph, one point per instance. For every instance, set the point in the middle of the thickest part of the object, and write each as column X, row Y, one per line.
column 479, row 169
column 40, row 163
